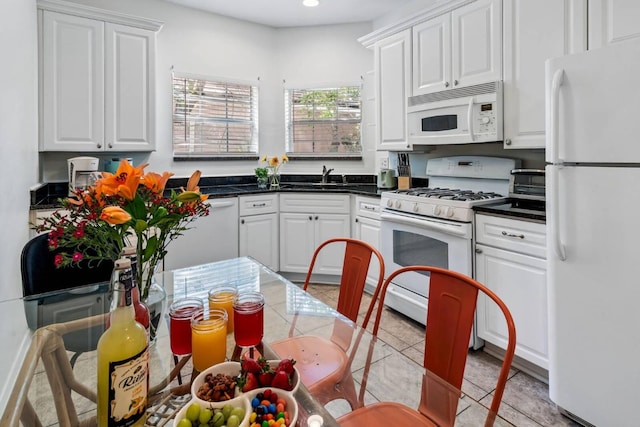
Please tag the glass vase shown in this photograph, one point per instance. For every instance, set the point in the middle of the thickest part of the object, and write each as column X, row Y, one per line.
column 275, row 182
column 262, row 182
column 154, row 296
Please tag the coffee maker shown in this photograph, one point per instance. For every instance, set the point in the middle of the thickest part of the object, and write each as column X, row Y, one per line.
column 83, row 172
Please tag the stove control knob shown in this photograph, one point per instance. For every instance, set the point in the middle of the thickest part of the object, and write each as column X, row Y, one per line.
column 416, row 208
column 449, row 212
column 485, row 120
column 389, row 203
column 398, row 204
column 436, row 210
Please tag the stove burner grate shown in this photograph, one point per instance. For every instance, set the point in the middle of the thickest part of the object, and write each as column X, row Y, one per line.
column 449, row 194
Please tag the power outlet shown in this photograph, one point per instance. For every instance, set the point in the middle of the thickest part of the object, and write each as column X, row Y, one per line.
column 384, row 163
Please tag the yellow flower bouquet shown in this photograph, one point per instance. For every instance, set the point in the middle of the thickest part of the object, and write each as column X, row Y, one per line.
column 126, row 208
column 273, row 165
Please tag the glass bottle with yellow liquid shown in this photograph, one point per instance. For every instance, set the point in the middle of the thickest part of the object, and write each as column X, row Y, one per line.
column 123, row 359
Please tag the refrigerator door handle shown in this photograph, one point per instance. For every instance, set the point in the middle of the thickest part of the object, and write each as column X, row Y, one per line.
column 558, row 247
column 470, row 120
column 556, row 82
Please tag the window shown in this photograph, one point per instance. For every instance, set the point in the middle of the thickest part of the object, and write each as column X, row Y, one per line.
column 323, row 121
column 214, row 118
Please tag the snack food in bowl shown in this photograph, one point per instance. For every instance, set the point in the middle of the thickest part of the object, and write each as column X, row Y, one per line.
column 272, row 403
column 233, row 413
column 260, row 373
column 217, row 384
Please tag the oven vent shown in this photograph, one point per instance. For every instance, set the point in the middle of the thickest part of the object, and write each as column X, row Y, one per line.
column 481, row 89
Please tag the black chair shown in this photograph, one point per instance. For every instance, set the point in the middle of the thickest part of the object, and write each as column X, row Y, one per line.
column 88, row 293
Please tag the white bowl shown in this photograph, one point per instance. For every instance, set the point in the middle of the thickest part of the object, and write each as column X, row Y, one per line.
column 228, row 368
column 237, row 402
column 292, row 405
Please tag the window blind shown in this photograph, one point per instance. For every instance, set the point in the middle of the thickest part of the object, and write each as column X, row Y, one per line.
column 323, row 121
column 213, row 118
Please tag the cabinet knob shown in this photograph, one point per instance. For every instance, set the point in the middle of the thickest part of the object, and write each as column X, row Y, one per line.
column 310, row 218
column 99, row 145
column 356, row 219
column 507, row 141
column 110, row 145
column 242, row 221
column 455, row 83
column 316, row 217
column 478, row 250
column 446, row 84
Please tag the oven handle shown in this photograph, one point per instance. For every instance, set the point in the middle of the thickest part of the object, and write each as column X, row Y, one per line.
column 424, row 223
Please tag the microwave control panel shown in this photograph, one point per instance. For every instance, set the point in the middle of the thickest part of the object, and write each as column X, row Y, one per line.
column 485, row 119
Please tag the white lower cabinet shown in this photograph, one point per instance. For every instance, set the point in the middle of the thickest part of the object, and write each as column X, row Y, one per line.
column 306, row 220
column 366, row 227
column 510, row 261
column 258, row 229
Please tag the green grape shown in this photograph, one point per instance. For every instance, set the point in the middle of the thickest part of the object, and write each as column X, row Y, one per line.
column 205, row 415
column 193, row 412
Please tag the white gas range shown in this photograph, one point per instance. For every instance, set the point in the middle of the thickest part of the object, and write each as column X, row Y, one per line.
column 434, row 225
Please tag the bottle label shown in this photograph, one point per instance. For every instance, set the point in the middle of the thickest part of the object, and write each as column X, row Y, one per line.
column 128, row 385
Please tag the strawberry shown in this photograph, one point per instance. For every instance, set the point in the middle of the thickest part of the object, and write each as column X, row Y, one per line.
column 250, row 383
column 281, row 380
column 265, row 378
column 286, row 365
column 250, row 365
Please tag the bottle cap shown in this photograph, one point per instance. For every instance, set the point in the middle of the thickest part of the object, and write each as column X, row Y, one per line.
column 123, row 263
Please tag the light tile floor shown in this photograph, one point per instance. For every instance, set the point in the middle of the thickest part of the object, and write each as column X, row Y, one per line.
column 526, row 399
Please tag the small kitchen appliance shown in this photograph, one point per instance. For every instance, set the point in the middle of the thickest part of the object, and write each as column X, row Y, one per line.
column 83, row 172
column 387, row 179
column 457, row 116
column 434, row 225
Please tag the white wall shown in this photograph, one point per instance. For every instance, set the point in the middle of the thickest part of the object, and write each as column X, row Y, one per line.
column 202, row 43
column 18, row 150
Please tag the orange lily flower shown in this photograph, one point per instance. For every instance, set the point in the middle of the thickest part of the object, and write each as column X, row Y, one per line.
column 115, row 215
column 124, row 182
column 156, row 182
column 192, row 184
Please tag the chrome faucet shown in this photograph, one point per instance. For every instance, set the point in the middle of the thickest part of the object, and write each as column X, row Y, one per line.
column 325, row 173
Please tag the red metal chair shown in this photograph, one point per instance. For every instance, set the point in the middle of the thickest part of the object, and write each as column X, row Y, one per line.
column 324, row 365
column 450, row 316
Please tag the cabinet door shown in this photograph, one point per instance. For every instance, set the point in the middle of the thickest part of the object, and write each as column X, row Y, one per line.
column 72, row 58
column 392, row 64
column 477, row 43
column 259, row 239
column 525, row 51
column 368, row 230
column 129, row 88
column 297, row 241
column 613, row 21
column 431, row 44
column 328, row 226
column 521, row 282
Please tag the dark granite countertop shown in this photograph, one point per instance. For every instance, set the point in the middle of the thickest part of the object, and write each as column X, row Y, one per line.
column 515, row 209
column 48, row 195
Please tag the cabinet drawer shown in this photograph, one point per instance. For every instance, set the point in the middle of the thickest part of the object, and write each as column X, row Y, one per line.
column 368, row 207
column 258, row 204
column 515, row 235
column 314, row 203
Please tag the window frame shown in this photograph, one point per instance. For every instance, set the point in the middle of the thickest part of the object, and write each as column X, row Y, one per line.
column 288, row 107
column 253, row 145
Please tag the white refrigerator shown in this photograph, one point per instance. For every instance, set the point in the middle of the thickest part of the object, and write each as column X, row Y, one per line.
column 593, row 240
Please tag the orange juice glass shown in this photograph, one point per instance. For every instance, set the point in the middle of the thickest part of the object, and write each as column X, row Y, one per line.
column 208, row 338
column 221, row 298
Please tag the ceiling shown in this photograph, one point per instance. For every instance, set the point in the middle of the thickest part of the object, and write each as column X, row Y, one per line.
column 291, row 13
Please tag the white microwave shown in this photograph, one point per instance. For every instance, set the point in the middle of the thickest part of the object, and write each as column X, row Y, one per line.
column 457, row 116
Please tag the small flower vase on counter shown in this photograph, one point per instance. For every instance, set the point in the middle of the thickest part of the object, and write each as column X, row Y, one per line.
column 275, row 182
column 262, row 182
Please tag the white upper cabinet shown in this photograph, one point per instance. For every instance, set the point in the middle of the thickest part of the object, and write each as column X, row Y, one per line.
column 459, row 48
column 393, row 67
column 613, row 21
column 97, row 79
column 526, row 48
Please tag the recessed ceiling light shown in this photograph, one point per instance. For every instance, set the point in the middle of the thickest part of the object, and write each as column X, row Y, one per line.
column 310, row 3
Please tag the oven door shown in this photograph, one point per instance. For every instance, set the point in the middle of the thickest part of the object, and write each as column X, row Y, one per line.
column 413, row 240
